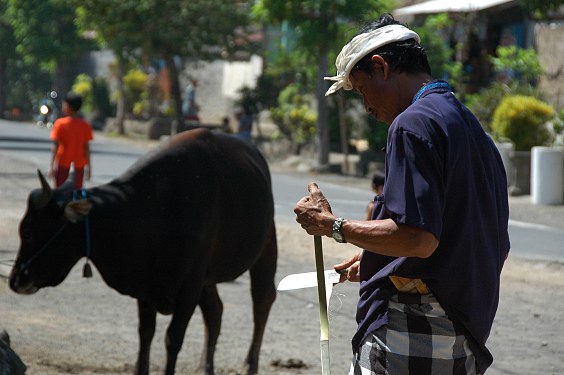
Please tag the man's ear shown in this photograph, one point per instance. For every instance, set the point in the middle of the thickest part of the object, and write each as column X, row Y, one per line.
column 381, row 65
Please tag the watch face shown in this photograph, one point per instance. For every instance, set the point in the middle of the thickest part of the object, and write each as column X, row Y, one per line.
column 338, row 236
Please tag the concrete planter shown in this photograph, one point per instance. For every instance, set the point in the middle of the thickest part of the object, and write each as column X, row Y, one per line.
column 520, row 176
column 547, row 175
column 506, row 150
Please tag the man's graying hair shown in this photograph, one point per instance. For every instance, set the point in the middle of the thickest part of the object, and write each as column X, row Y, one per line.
column 403, row 57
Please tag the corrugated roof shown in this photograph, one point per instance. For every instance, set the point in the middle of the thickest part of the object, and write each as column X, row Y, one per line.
column 448, row 6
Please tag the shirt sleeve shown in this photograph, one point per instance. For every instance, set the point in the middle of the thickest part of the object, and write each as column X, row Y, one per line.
column 55, row 132
column 414, row 190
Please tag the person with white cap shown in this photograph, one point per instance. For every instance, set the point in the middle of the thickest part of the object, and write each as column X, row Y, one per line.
column 431, row 257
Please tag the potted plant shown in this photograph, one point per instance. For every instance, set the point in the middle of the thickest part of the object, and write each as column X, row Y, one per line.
column 523, row 120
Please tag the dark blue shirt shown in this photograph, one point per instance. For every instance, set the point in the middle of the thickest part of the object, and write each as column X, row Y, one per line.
column 443, row 175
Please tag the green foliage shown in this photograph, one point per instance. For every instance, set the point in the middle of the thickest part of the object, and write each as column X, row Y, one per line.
column 83, row 86
column 522, row 64
column 541, row 7
column 7, row 37
column 101, row 97
column 320, row 28
column 248, row 100
column 116, row 23
column 134, row 82
column 315, row 18
column 484, row 103
column 559, row 128
column 316, row 25
column 95, row 95
column 523, row 119
column 438, row 52
column 26, row 84
column 22, row 85
column 202, row 28
column 46, row 32
column 455, row 72
column 294, row 116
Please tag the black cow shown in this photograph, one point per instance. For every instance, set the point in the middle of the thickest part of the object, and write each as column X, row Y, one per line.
column 196, row 212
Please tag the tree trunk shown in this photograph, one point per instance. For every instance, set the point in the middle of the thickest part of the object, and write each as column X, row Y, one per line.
column 177, row 125
column 322, row 123
column 2, row 86
column 343, row 133
column 120, row 110
column 63, row 77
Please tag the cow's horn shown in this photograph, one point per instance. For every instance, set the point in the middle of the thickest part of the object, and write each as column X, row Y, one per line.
column 46, row 192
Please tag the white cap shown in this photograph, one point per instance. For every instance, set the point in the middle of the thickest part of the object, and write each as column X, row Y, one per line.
column 360, row 46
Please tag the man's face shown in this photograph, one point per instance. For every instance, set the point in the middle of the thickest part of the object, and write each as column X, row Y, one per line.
column 378, row 93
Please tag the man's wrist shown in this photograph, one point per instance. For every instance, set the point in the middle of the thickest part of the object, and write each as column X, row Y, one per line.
column 337, row 233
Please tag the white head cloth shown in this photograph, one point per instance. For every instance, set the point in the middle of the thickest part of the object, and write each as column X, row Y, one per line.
column 360, row 46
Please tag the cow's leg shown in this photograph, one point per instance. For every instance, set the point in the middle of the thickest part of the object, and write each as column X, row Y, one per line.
column 263, row 293
column 177, row 327
column 146, row 330
column 212, row 310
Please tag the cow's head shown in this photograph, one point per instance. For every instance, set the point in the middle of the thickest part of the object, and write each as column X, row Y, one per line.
column 50, row 239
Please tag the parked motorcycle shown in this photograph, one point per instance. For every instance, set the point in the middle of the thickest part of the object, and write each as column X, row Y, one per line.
column 48, row 110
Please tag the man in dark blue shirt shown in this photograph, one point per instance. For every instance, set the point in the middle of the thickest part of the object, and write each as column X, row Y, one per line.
column 433, row 253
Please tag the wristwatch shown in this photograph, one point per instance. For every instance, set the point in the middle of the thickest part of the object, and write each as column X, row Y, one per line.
column 337, row 234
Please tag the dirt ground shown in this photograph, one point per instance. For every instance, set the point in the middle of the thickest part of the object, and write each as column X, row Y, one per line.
column 83, row 327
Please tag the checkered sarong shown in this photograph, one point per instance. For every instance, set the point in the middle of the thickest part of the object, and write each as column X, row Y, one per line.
column 419, row 339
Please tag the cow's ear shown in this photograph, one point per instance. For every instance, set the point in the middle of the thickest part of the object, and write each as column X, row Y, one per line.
column 46, row 192
column 76, row 210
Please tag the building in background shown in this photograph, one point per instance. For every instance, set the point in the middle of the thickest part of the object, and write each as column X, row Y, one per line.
column 483, row 25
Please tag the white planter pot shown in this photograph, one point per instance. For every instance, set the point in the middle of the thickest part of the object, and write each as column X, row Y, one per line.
column 505, row 151
column 547, row 175
column 520, row 173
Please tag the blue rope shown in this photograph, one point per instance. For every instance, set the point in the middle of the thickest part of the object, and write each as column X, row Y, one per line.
column 58, row 233
column 430, row 86
column 86, row 270
column 87, row 229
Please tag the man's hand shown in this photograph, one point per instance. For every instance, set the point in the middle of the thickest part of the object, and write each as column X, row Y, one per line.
column 314, row 213
column 353, row 266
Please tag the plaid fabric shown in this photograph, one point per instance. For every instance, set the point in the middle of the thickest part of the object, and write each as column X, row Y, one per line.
column 419, row 339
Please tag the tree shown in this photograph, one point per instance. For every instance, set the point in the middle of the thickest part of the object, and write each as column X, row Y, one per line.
column 518, row 72
column 541, row 7
column 117, row 26
column 434, row 33
column 46, row 35
column 520, row 64
column 194, row 29
column 8, row 43
column 320, row 31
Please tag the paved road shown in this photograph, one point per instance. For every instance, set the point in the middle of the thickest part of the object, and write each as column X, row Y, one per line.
column 526, row 307
column 536, row 231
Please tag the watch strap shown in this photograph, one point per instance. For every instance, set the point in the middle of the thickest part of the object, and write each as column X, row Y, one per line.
column 337, row 231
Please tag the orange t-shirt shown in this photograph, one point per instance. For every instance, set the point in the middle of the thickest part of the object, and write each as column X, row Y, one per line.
column 72, row 134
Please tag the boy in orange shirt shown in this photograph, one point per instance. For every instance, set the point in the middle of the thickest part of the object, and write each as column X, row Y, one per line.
column 71, row 135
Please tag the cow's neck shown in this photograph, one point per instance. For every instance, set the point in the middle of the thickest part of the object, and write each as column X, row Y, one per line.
column 114, row 226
